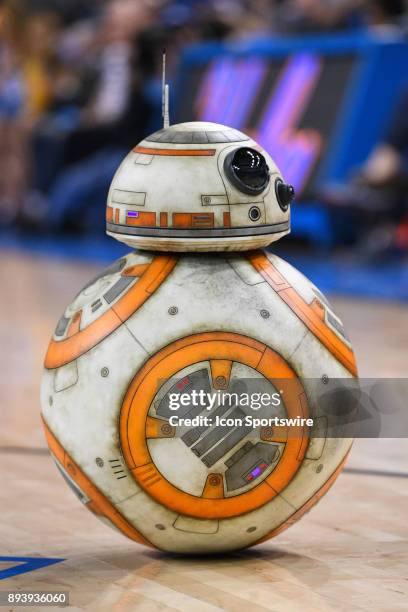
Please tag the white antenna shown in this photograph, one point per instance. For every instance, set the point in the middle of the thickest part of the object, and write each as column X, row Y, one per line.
column 165, row 95
column 166, row 120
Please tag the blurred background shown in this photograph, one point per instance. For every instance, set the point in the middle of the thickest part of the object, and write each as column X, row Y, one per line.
column 321, row 84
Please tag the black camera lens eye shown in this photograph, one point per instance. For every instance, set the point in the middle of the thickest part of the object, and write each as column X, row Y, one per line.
column 254, row 213
column 247, row 170
column 284, row 194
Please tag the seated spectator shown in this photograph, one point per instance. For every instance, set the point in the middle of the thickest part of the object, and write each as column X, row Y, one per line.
column 26, row 54
column 80, row 143
column 80, row 84
column 13, row 99
column 378, row 192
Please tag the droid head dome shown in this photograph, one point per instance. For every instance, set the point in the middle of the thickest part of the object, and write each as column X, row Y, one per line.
column 198, row 186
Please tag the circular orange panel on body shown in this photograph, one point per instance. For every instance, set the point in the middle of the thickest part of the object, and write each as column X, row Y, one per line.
column 79, row 341
column 135, row 424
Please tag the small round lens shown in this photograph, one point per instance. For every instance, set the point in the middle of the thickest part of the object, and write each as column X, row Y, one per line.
column 284, row 194
column 254, row 213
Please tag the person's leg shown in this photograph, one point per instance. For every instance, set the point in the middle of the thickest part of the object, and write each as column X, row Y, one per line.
column 47, row 153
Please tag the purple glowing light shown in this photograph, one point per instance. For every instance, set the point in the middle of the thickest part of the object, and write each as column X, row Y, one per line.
column 257, row 471
column 294, row 150
column 228, row 90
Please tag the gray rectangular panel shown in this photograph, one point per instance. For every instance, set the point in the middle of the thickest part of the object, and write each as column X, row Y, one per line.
column 117, row 288
column 192, row 436
column 227, row 443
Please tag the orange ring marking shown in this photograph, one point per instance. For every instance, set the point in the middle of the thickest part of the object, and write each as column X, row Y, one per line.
column 169, row 361
column 61, row 352
column 297, row 515
column 214, row 487
column 312, row 314
column 75, row 324
column 99, row 503
column 220, row 373
column 158, row 428
column 176, row 152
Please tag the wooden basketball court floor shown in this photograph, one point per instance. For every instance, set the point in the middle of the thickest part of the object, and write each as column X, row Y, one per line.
column 348, row 553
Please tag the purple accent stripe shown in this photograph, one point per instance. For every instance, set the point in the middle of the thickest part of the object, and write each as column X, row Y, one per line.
column 284, row 107
column 248, row 77
column 132, row 213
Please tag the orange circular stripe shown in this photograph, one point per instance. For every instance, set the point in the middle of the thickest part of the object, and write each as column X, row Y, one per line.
column 98, row 503
column 297, row 515
column 61, row 352
column 311, row 316
column 165, row 364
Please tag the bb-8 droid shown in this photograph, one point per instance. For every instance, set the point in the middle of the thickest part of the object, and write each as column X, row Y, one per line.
column 166, row 319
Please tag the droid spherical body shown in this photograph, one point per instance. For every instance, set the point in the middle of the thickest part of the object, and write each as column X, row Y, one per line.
column 160, row 322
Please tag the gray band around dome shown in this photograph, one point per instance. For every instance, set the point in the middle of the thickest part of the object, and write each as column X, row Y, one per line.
column 197, row 137
column 232, row 232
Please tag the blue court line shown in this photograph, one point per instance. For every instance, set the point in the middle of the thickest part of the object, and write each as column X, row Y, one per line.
column 25, row 564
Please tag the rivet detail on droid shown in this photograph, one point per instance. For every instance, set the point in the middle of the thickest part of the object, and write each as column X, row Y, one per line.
column 162, row 320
